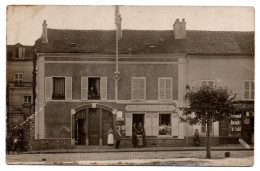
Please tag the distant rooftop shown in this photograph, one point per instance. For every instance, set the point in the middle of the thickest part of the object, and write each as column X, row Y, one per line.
column 11, row 48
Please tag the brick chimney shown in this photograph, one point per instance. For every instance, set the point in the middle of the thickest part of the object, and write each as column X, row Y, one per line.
column 179, row 29
column 44, row 37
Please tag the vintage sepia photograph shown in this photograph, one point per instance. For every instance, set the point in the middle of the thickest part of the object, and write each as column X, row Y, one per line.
column 122, row 85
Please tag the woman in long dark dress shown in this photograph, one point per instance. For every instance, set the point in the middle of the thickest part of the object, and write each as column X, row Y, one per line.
column 134, row 130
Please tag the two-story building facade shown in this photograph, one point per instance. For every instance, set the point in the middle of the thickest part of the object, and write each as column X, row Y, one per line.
column 79, row 96
column 19, row 85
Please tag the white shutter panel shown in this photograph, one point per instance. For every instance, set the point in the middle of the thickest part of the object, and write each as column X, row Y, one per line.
column 211, row 83
column 155, row 124
column 20, row 53
column 103, row 88
column 48, row 88
column 148, row 124
column 142, row 88
column 169, row 89
column 128, row 124
column 135, row 89
column 162, row 90
column 252, row 90
column 84, row 88
column 68, row 88
column 175, row 125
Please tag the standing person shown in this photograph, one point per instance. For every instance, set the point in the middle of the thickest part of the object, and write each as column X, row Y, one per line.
column 15, row 145
column 140, row 135
column 134, row 130
column 196, row 138
column 117, row 137
column 110, row 137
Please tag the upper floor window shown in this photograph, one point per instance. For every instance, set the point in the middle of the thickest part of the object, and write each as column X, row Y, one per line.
column 27, row 99
column 18, row 77
column 94, row 88
column 210, row 83
column 58, row 92
column 19, row 53
column 165, row 88
column 249, row 88
column 138, row 88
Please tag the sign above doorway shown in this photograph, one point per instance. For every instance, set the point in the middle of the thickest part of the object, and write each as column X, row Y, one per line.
column 167, row 108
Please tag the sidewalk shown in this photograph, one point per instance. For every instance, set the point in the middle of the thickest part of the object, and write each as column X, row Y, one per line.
column 106, row 149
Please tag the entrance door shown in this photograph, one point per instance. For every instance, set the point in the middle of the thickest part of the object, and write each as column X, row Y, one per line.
column 81, row 134
column 93, row 126
column 107, row 122
column 138, row 118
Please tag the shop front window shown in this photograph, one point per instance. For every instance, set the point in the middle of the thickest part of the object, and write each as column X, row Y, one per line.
column 165, row 124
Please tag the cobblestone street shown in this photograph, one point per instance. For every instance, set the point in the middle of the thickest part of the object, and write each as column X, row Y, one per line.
column 187, row 158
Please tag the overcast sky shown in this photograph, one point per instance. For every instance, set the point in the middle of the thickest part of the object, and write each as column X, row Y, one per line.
column 24, row 24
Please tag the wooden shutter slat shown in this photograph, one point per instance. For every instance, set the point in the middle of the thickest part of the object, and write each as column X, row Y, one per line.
column 48, row 88
column 175, row 125
column 68, row 88
column 135, row 93
column 142, row 88
column 84, row 88
column 148, row 124
column 162, row 90
column 128, row 124
column 103, row 88
column 168, row 89
column 252, row 89
column 246, row 89
column 155, row 124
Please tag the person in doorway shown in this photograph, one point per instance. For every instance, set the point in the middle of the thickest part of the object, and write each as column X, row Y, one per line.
column 140, row 135
column 134, row 129
column 117, row 137
column 197, row 138
column 15, row 145
column 110, row 137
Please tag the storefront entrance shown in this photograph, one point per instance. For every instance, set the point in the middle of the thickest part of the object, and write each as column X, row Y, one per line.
column 138, row 118
column 91, row 126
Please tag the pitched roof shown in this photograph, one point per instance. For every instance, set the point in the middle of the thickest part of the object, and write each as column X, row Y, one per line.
column 28, row 52
column 146, row 41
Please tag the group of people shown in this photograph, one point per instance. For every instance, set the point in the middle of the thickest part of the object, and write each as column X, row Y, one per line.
column 114, row 135
column 138, row 135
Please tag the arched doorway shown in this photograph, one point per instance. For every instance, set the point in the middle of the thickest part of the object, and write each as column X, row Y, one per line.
column 91, row 125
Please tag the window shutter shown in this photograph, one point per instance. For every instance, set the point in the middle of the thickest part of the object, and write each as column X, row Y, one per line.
column 128, row 124
column 20, row 52
column 84, row 88
column 252, row 89
column 155, row 124
column 68, row 88
column 103, row 88
column 175, row 125
column 23, row 53
column 148, row 124
column 142, row 88
column 162, row 90
column 168, row 89
column 246, row 90
column 48, row 88
column 135, row 89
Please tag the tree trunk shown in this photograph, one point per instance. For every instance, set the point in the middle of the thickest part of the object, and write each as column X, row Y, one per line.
column 208, row 140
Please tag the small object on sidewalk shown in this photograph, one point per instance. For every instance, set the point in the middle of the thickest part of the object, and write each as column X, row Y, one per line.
column 227, row 154
column 43, row 159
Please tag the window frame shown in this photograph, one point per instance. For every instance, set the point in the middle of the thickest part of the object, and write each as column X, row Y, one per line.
column 132, row 89
column 164, row 78
column 164, row 113
column 99, row 87
column 25, row 101
column 214, row 82
column 250, row 90
column 53, row 88
column 205, row 133
column 18, row 73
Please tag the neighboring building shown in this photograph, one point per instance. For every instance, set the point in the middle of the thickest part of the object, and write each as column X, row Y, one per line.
column 19, row 85
column 79, row 96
